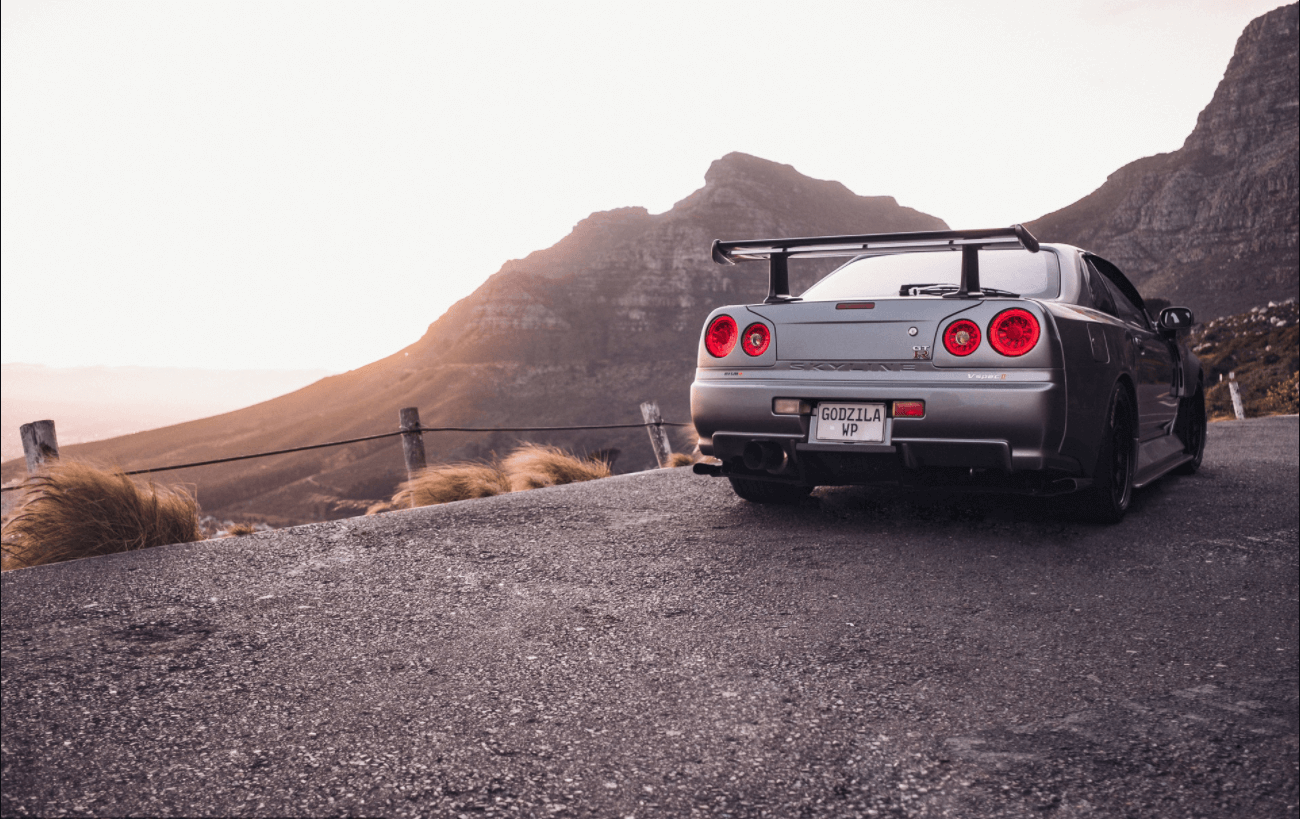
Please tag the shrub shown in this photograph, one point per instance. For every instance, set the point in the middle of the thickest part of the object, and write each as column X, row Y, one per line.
column 75, row 510
column 240, row 529
column 1283, row 398
column 681, row 459
column 533, row 466
column 446, row 483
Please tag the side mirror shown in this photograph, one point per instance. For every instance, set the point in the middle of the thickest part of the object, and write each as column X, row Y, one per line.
column 1174, row 319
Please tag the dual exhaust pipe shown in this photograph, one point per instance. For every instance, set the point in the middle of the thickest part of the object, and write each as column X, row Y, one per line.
column 758, row 456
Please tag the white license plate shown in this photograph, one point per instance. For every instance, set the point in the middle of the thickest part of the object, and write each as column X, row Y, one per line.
column 850, row 422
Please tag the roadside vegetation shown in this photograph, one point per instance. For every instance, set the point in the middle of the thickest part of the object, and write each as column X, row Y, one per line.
column 533, row 466
column 73, row 510
column 1262, row 348
column 445, row 483
column 530, row 466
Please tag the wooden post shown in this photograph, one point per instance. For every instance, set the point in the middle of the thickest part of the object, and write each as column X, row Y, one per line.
column 1238, row 409
column 39, row 444
column 412, row 441
column 658, row 437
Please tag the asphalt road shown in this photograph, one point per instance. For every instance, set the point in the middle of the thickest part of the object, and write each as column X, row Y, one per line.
column 651, row 646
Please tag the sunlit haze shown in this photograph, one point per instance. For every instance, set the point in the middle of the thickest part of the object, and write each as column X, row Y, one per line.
column 301, row 185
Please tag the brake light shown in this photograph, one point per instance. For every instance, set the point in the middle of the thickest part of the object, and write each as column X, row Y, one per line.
column 756, row 339
column 720, row 338
column 962, row 337
column 1014, row 332
column 909, row 409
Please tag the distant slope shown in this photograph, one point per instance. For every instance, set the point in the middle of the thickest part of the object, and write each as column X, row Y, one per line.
column 1213, row 225
column 581, row 332
column 93, row 403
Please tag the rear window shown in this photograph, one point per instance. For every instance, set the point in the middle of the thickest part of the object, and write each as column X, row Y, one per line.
column 1035, row 275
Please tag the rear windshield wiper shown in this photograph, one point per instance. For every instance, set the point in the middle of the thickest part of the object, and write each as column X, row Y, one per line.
column 941, row 289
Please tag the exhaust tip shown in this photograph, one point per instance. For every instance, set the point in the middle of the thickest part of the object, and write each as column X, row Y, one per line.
column 765, row 456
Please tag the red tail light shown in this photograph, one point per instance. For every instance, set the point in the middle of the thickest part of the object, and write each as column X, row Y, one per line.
column 962, row 337
column 1014, row 332
column 755, row 339
column 909, row 409
column 720, row 338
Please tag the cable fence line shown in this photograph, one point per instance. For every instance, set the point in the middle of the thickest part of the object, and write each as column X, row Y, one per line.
column 40, row 443
column 549, row 429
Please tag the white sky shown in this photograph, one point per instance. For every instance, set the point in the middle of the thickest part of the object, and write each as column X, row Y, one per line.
column 273, row 184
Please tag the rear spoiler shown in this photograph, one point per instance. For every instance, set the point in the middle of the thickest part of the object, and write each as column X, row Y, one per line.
column 779, row 251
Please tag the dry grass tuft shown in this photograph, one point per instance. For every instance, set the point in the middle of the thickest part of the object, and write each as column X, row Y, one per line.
column 681, row 459
column 446, row 483
column 240, row 529
column 75, row 510
column 533, row 466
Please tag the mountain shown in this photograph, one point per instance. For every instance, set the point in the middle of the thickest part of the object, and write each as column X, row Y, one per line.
column 578, row 333
column 1214, row 224
column 93, row 403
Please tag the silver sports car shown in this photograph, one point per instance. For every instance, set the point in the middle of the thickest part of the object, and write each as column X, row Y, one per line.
column 975, row 359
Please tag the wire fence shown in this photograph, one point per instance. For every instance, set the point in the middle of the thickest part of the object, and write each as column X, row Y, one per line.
column 364, row 438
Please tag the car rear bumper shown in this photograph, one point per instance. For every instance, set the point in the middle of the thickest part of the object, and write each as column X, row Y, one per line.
column 1001, row 426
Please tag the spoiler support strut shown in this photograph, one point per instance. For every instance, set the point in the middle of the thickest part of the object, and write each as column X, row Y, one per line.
column 778, row 279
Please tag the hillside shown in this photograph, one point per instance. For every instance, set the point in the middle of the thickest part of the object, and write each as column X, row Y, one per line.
column 1213, row 225
column 581, row 332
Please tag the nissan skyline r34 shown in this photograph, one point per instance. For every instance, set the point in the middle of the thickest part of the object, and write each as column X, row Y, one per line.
column 977, row 359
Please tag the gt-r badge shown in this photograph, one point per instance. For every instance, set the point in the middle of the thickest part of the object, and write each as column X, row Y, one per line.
column 922, row 352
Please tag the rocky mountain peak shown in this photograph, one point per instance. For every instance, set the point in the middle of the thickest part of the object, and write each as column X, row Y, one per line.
column 1256, row 102
column 742, row 180
column 1215, row 224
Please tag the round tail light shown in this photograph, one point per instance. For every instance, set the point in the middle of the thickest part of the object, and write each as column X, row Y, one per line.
column 962, row 337
column 1013, row 332
column 755, row 339
column 720, row 338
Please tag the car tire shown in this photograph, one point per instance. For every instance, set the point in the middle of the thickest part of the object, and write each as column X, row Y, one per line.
column 1108, row 498
column 1190, row 429
column 769, row 491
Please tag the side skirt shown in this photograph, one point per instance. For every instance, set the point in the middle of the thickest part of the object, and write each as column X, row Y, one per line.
column 1157, row 457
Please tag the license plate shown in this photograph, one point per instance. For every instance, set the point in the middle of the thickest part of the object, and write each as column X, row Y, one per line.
column 850, row 422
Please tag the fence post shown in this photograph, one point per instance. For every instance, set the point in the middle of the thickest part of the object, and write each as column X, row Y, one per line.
column 39, row 444
column 1237, row 406
column 412, row 440
column 658, row 438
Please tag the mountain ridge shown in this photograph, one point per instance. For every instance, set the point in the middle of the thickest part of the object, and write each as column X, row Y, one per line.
column 1213, row 225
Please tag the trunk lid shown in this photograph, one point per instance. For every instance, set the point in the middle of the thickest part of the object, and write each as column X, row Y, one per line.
column 849, row 331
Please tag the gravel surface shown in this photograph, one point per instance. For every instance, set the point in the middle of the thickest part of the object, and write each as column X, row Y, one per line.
column 650, row 645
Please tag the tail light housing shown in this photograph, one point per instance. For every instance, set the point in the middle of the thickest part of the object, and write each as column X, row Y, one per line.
column 909, row 409
column 1014, row 332
column 962, row 337
column 756, row 339
column 720, row 338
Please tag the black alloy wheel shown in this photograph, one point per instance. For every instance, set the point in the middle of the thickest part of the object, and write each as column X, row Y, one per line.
column 769, row 491
column 1190, row 429
column 1108, row 498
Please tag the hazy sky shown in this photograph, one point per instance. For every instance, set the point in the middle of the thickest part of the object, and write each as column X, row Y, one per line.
column 275, row 184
